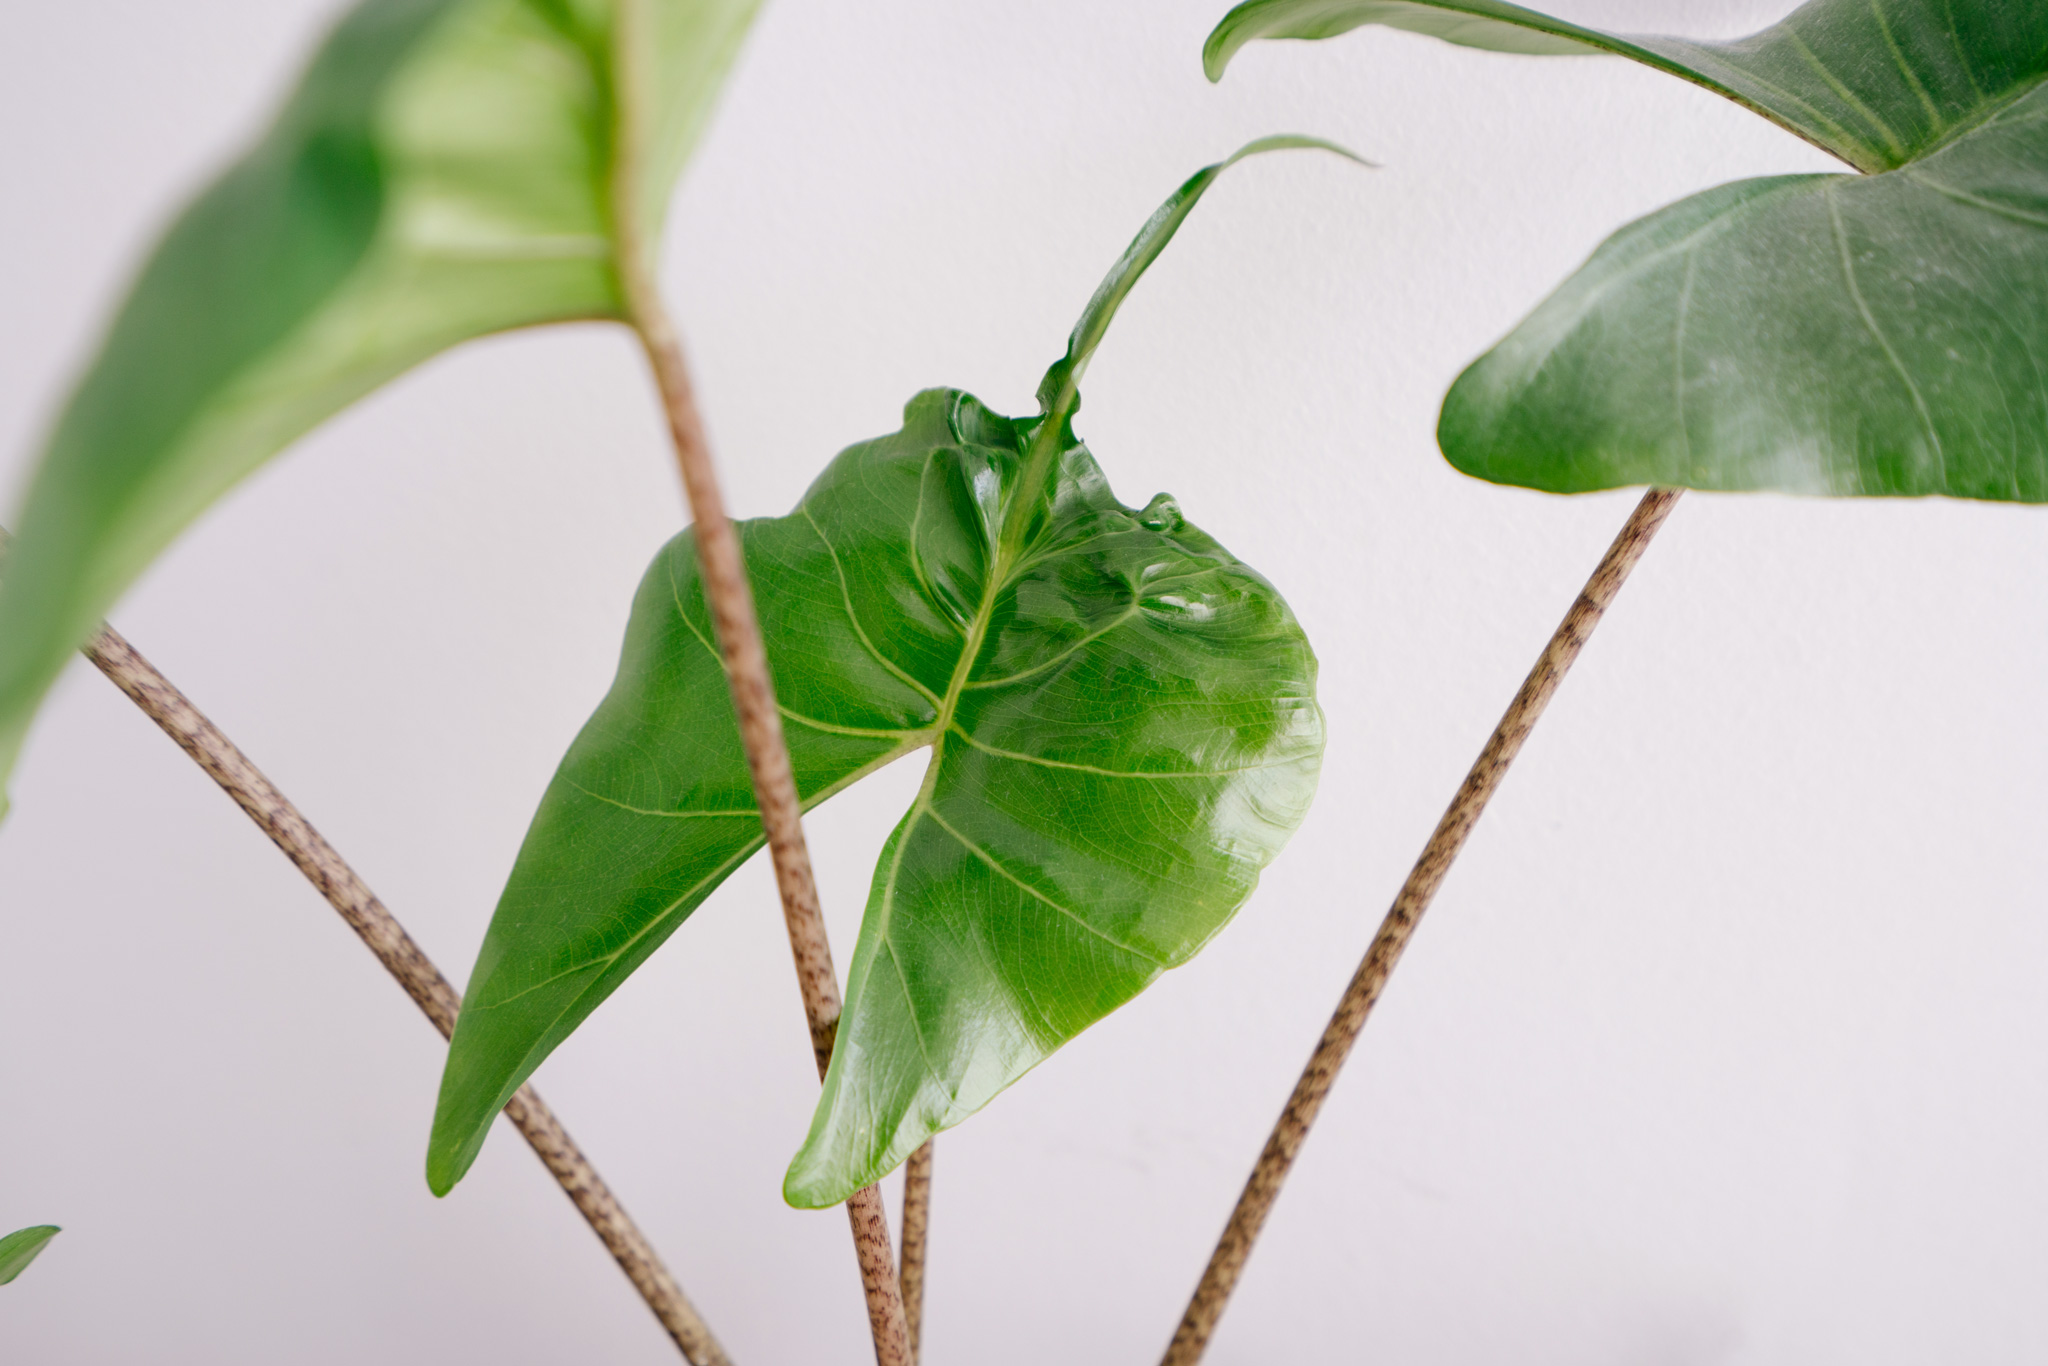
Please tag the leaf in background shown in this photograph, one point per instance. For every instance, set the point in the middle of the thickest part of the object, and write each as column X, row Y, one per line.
column 445, row 169
column 21, row 1247
column 1123, row 731
column 1846, row 335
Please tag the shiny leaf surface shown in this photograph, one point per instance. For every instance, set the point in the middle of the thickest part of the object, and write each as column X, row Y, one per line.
column 23, row 1246
column 1122, row 733
column 445, row 169
column 1847, row 335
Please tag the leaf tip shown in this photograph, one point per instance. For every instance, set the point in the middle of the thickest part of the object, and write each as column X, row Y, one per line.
column 441, row 1177
column 23, row 1246
column 1223, row 42
column 450, row 1157
column 805, row 1186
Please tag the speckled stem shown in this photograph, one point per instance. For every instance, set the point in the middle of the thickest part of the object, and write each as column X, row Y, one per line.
column 917, row 1218
column 1226, row 1264
column 731, row 599
column 395, row 949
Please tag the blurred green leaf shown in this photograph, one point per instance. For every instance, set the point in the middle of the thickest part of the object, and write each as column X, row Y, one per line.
column 1849, row 335
column 445, row 169
column 1123, row 732
column 23, row 1246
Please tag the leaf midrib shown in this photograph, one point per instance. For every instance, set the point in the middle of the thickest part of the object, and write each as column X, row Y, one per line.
column 1002, row 566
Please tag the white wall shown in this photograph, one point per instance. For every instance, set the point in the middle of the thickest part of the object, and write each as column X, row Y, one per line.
column 1723, row 1044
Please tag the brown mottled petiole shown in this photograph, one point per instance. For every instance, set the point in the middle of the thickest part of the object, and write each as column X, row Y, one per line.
column 731, row 599
column 404, row 959
column 1226, row 1264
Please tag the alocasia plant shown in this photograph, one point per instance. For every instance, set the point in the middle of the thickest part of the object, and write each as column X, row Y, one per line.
column 1120, row 716
column 445, row 169
column 1851, row 334
column 1122, row 726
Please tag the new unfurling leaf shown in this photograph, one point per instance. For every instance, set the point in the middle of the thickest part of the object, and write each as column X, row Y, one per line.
column 1122, row 731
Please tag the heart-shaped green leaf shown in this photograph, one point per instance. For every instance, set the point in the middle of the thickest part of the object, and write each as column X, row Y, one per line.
column 1851, row 335
column 1123, row 731
column 23, row 1246
column 446, row 168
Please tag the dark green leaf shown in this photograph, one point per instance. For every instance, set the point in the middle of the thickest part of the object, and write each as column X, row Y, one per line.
column 1876, row 82
column 446, row 168
column 1123, row 733
column 1811, row 334
column 21, row 1247
column 1857, row 335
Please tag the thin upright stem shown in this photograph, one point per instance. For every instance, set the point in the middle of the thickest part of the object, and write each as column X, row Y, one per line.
column 404, row 959
column 917, row 1218
column 731, row 599
column 1226, row 1264
column 740, row 648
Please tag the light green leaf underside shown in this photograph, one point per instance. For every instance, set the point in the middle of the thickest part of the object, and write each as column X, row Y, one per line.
column 445, row 169
column 1123, row 732
column 23, row 1246
column 1876, row 82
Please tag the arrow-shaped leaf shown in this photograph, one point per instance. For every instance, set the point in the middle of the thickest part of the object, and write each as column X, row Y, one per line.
column 1854, row 335
column 446, row 168
column 1122, row 727
column 23, row 1246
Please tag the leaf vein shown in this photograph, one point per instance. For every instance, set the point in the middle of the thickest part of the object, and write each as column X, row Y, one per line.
column 1083, row 643
column 1876, row 332
column 1905, row 68
column 1992, row 206
column 751, row 812
column 1848, row 97
column 994, row 864
column 1190, row 775
column 853, row 618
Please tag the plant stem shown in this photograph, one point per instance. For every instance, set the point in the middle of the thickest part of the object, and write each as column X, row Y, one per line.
column 731, row 600
column 1226, row 1264
column 395, row 949
column 738, row 629
column 917, row 1218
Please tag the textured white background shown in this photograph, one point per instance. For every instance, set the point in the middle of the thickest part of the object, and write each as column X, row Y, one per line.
column 1724, row 1044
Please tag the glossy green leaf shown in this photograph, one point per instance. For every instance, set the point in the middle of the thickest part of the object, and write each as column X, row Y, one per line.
column 1825, row 335
column 1122, row 727
column 1876, row 82
column 1851, row 335
column 445, row 169
column 23, row 1246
